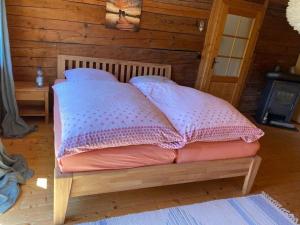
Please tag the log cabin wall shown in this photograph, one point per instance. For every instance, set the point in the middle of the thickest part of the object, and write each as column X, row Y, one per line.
column 40, row 30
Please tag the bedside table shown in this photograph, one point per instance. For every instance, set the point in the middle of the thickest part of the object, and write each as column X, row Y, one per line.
column 32, row 100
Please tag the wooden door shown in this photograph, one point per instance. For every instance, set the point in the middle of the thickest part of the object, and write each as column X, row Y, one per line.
column 230, row 41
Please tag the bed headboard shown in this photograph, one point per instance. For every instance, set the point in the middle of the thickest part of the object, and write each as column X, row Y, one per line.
column 122, row 69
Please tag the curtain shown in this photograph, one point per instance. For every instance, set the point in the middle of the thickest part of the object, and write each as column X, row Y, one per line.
column 13, row 172
column 11, row 123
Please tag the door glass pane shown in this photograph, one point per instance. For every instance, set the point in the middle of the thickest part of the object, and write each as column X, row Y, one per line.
column 221, row 65
column 226, row 46
column 245, row 27
column 231, row 24
column 233, row 45
column 238, row 26
column 239, row 48
column 234, row 67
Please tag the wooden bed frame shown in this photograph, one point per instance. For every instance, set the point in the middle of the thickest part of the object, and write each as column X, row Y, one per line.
column 68, row 185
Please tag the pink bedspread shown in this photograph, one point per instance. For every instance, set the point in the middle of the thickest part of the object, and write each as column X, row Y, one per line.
column 97, row 115
column 146, row 155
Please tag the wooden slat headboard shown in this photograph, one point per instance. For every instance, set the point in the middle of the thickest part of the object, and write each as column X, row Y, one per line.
column 123, row 70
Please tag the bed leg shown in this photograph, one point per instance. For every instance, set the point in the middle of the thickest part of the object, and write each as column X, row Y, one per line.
column 250, row 177
column 62, row 189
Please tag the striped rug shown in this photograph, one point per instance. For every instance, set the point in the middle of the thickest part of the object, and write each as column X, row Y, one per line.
column 256, row 209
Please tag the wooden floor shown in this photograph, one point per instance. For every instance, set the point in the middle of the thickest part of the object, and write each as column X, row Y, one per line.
column 279, row 176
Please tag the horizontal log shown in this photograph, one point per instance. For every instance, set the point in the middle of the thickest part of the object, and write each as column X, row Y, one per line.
column 44, row 62
column 84, row 13
column 176, row 24
column 33, row 52
column 203, row 4
column 186, row 10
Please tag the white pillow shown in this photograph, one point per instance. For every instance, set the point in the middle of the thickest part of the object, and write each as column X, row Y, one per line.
column 150, row 78
column 80, row 74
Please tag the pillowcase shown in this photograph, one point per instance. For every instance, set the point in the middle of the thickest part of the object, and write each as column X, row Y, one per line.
column 80, row 74
column 199, row 116
column 150, row 78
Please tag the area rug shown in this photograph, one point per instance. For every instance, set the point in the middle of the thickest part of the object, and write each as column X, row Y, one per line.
column 258, row 209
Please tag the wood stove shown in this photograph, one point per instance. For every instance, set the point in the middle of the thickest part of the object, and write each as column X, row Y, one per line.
column 279, row 99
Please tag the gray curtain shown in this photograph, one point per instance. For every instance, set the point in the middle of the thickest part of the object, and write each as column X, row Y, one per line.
column 11, row 123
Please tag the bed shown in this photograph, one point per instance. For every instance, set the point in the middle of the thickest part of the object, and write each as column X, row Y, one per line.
column 195, row 163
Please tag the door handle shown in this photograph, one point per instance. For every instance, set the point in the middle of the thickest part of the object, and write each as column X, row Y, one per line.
column 213, row 63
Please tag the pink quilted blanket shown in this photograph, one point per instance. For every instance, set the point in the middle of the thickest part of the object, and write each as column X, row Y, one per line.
column 99, row 114
column 199, row 116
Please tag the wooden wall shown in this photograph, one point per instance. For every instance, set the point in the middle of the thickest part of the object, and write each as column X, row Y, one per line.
column 40, row 30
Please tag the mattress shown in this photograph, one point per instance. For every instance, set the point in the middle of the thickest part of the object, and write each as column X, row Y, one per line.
column 117, row 158
column 146, row 155
column 204, row 151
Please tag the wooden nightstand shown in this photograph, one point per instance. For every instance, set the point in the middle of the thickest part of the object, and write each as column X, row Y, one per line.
column 32, row 100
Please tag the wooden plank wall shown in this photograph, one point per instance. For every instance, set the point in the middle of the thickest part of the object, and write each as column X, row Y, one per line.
column 40, row 30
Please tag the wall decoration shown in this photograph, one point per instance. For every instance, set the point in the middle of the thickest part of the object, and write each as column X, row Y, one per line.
column 293, row 15
column 123, row 14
